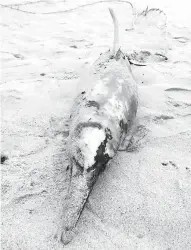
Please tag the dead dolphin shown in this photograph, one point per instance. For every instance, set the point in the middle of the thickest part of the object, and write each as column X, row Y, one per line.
column 101, row 118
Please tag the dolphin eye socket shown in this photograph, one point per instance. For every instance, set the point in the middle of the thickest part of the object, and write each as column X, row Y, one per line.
column 67, row 228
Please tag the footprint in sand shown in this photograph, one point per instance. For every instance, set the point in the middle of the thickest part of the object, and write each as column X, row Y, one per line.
column 180, row 95
column 166, row 163
column 143, row 58
column 152, row 17
column 11, row 95
column 23, row 198
column 181, row 39
column 163, row 117
column 3, row 158
column 177, row 89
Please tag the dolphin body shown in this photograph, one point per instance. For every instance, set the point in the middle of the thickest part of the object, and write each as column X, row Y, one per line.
column 100, row 120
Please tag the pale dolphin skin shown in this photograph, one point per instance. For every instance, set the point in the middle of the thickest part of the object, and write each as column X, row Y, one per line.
column 101, row 118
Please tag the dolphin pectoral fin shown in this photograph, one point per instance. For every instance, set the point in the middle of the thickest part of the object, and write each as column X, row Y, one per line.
column 127, row 138
column 125, row 142
column 134, row 141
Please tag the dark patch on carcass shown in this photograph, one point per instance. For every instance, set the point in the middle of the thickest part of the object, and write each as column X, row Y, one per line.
column 3, row 158
column 83, row 92
column 93, row 104
column 123, row 126
column 108, row 133
column 101, row 158
column 89, row 124
column 67, row 168
column 133, row 107
column 119, row 55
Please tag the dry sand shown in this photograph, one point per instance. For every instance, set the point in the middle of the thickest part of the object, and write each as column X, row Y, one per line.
column 143, row 199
